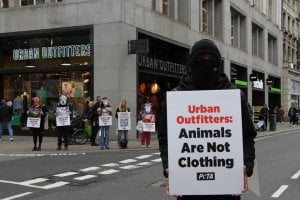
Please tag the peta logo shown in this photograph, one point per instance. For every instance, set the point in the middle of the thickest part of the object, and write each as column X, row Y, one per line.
column 205, row 176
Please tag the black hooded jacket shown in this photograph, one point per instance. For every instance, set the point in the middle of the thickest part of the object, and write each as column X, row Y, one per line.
column 249, row 132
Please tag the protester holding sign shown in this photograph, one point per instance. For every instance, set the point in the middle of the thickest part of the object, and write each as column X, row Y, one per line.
column 123, row 123
column 105, row 121
column 205, row 66
column 35, row 121
column 63, row 121
column 148, row 121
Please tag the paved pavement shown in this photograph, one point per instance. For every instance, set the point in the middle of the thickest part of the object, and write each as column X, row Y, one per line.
column 23, row 144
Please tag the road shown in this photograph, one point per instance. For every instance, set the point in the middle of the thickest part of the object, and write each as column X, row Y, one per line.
column 134, row 174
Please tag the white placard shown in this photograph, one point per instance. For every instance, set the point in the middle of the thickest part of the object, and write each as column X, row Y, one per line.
column 33, row 122
column 105, row 120
column 63, row 116
column 205, row 142
column 148, row 122
column 124, row 121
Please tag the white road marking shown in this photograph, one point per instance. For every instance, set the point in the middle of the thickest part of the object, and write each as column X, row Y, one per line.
column 66, row 174
column 156, row 160
column 296, row 175
column 144, row 163
column 143, row 156
column 33, row 181
column 110, row 165
column 130, row 167
column 110, row 171
column 157, row 153
column 89, row 169
column 279, row 191
column 54, row 185
column 127, row 161
column 17, row 196
column 81, row 178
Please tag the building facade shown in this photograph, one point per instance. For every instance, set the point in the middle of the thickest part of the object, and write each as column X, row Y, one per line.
column 86, row 48
column 291, row 67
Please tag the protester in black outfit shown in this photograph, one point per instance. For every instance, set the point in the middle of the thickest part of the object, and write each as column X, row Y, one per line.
column 95, row 120
column 38, row 111
column 205, row 66
column 63, row 131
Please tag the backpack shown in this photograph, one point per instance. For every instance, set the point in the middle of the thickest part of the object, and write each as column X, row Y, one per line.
column 123, row 144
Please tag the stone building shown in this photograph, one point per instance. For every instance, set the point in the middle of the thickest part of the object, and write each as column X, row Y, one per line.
column 135, row 49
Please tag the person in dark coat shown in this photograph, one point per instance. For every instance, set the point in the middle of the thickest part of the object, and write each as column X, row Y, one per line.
column 205, row 68
column 95, row 120
column 6, row 113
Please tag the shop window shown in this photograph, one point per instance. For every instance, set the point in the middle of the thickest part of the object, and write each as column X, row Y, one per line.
column 48, row 86
column 31, row 2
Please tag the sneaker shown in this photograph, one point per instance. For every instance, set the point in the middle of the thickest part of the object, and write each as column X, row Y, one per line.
column 106, row 147
column 66, row 149
column 39, row 149
column 58, row 148
column 143, row 146
column 34, row 149
column 11, row 139
column 148, row 146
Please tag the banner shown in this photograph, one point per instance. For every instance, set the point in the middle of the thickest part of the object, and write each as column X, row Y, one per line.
column 63, row 116
column 105, row 120
column 148, row 122
column 205, row 142
column 33, row 122
column 124, row 121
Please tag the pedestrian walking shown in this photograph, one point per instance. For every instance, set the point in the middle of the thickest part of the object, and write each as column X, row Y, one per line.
column 264, row 115
column 205, row 67
column 122, row 134
column 63, row 115
column 280, row 114
column 6, row 113
column 35, row 121
column 293, row 115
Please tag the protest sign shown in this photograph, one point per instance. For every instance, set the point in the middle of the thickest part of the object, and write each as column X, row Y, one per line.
column 124, row 121
column 148, row 122
column 33, row 122
column 205, row 145
column 105, row 120
column 63, row 116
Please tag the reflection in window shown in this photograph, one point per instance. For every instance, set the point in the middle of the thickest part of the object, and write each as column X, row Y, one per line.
column 205, row 16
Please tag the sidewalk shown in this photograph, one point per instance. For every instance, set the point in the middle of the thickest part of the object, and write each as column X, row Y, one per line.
column 24, row 144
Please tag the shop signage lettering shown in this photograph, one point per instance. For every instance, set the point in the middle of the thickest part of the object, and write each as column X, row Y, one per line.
column 161, row 65
column 52, row 52
column 258, row 84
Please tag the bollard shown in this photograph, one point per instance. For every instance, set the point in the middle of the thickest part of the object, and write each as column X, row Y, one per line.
column 273, row 118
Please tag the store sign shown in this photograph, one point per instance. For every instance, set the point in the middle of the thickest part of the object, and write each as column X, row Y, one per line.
column 138, row 46
column 259, row 84
column 52, row 52
column 161, row 65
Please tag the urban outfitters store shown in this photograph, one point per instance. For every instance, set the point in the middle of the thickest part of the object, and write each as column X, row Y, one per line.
column 46, row 63
column 159, row 70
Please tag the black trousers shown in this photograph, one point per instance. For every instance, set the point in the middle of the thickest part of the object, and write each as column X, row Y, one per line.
column 210, row 197
column 63, row 132
column 37, row 133
column 95, row 130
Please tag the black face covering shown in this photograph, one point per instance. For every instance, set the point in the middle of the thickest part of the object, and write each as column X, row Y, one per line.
column 205, row 73
column 205, row 65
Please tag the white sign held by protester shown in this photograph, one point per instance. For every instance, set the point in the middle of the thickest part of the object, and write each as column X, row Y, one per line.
column 33, row 122
column 63, row 116
column 205, row 142
column 148, row 122
column 105, row 120
column 124, row 121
